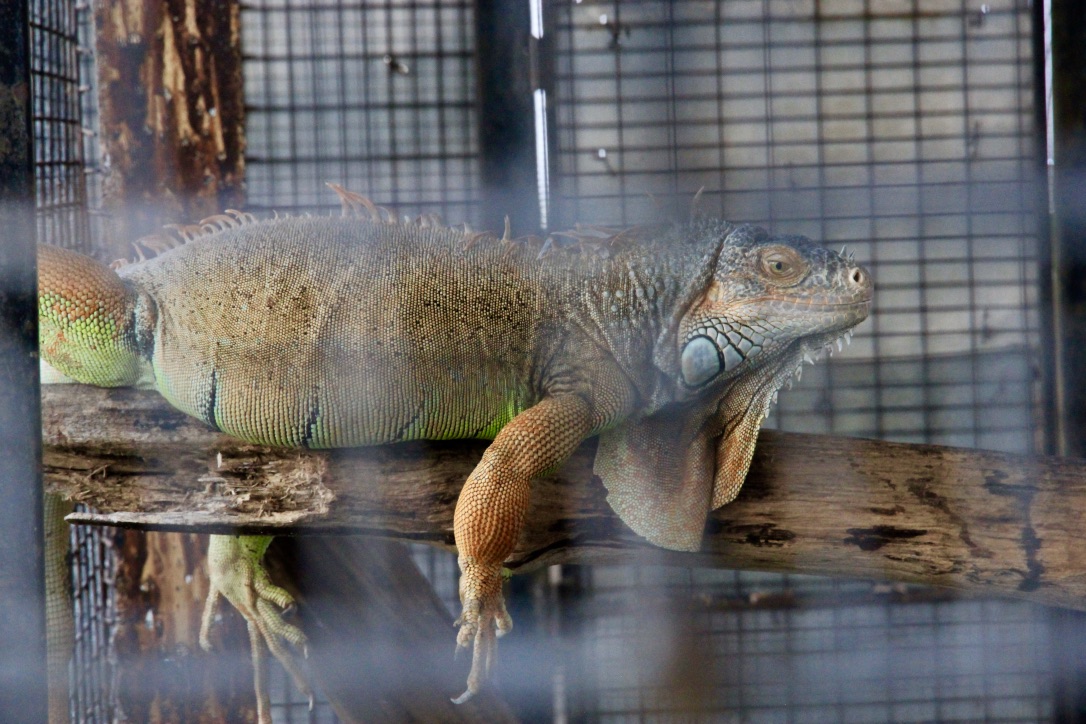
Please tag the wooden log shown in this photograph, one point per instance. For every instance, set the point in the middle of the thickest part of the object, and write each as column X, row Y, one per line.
column 980, row 521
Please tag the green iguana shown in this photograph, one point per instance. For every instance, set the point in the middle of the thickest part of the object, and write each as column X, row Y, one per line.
column 668, row 342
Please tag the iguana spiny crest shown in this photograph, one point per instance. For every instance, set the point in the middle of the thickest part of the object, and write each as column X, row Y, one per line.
column 669, row 342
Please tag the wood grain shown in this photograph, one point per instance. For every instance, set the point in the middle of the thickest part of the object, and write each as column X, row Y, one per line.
column 974, row 520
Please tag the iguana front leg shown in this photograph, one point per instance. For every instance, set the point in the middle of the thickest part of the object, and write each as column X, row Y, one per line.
column 491, row 510
column 236, row 572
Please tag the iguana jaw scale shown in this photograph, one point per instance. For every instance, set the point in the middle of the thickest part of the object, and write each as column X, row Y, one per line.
column 722, row 347
column 808, row 351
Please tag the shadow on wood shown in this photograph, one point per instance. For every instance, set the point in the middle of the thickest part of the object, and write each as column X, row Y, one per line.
column 981, row 521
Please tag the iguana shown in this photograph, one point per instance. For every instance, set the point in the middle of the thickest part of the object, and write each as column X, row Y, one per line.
column 669, row 342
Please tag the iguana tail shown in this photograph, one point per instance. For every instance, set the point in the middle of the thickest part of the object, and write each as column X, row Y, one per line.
column 87, row 319
column 60, row 624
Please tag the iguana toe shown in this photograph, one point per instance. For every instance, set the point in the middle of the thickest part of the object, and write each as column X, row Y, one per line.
column 236, row 573
column 483, row 621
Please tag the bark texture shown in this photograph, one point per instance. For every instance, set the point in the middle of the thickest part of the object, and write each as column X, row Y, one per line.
column 172, row 114
column 974, row 520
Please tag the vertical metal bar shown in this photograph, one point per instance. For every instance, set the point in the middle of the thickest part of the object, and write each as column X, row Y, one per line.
column 542, row 44
column 509, row 189
column 1063, row 124
column 969, row 126
column 395, row 113
column 876, row 329
column 566, row 181
column 619, row 164
column 1059, row 26
column 469, row 61
column 506, row 113
column 821, row 112
column 417, row 147
column 294, row 83
column 22, row 587
column 368, row 115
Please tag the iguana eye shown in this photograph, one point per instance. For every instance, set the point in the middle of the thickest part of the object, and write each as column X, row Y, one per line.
column 783, row 266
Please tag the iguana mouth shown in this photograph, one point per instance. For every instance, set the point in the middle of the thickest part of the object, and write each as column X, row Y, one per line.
column 810, row 350
column 788, row 369
column 861, row 297
column 813, row 305
column 716, row 349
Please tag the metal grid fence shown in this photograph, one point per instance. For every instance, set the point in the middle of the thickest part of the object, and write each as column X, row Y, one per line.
column 899, row 128
column 378, row 97
column 58, row 129
column 904, row 131
column 674, row 644
column 94, row 609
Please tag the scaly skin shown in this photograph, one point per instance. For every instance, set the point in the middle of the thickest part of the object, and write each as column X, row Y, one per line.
column 235, row 573
column 670, row 343
column 59, row 620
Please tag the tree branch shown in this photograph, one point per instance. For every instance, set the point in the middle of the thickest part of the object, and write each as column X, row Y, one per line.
column 981, row 521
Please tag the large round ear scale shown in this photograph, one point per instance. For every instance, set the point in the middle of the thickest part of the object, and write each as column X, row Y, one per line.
column 700, row 361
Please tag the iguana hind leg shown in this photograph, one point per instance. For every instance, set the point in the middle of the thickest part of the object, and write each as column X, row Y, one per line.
column 237, row 574
column 491, row 510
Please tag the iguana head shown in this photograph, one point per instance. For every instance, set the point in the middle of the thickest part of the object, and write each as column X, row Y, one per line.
column 771, row 301
column 87, row 319
column 757, row 307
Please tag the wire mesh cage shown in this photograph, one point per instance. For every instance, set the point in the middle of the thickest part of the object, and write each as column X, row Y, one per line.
column 379, row 98
column 903, row 130
column 62, row 72
column 57, row 94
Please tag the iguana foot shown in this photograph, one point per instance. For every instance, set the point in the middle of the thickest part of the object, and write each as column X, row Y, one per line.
column 235, row 572
column 482, row 621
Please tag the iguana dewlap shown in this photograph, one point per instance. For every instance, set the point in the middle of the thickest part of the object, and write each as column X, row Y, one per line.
column 669, row 342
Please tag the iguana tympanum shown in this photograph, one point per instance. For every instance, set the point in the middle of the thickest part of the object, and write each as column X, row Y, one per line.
column 668, row 342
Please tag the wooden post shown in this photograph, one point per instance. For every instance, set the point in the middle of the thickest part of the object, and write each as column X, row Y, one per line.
column 172, row 127
column 172, row 113
column 380, row 639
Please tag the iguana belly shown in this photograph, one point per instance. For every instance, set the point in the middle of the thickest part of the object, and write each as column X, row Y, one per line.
column 292, row 405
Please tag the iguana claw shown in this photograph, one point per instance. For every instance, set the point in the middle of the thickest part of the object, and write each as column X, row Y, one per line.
column 236, row 573
column 483, row 621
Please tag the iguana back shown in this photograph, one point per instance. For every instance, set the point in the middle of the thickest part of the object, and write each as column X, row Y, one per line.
column 323, row 332
column 334, row 332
